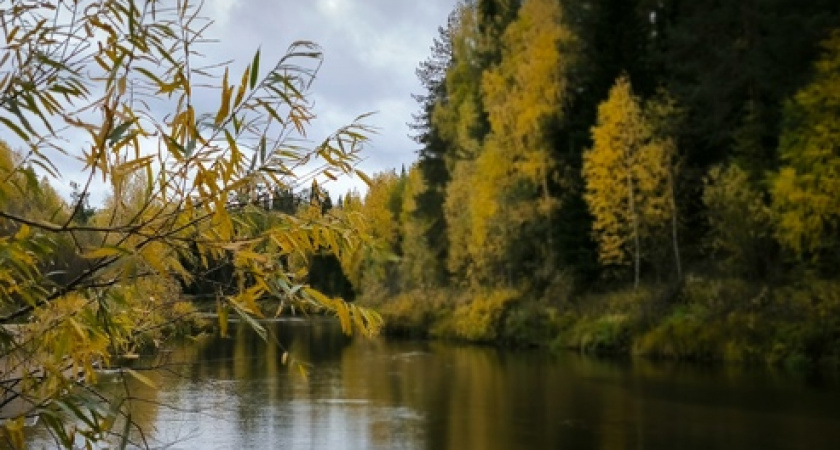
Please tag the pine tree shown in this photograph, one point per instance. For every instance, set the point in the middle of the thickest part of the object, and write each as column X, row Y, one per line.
column 431, row 164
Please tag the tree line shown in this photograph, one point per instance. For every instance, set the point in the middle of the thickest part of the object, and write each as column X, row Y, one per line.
column 568, row 147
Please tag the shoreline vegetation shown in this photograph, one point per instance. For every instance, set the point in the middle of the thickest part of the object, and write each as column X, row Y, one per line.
column 704, row 320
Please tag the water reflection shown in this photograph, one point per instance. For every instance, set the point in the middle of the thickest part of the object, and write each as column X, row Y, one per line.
column 363, row 394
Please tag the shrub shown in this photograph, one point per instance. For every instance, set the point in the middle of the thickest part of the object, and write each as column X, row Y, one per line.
column 529, row 324
column 604, row 334
column 480, row 320
column 415, row 313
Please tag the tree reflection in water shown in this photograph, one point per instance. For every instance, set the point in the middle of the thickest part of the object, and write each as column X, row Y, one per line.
column 379, row 394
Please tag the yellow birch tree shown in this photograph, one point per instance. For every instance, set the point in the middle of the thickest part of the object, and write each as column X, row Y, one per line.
column 629, row 179
column 523, row 97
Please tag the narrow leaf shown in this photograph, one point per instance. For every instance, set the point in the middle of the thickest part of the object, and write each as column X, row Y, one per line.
column 255, row 69
column 141, row 378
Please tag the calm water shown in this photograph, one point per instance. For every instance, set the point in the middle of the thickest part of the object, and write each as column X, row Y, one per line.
column 359, row 394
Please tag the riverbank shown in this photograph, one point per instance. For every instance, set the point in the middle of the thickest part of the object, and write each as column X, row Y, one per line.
column 703, row 319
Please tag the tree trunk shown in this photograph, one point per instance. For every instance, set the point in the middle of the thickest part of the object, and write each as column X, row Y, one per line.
column 674, row 240
column 635, row 217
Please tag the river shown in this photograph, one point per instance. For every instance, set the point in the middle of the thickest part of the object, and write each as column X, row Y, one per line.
column 236, row 393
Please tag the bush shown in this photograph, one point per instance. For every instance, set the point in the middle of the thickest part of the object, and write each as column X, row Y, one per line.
column 529, row 324
column 481, row 319
column 414, row 314
column 684, row 334
column 605, row 334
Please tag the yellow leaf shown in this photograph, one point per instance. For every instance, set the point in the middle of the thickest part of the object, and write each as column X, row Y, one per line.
column 14, row 432
column 104, row 252
column 141, row 378
column 364, row 177
column 23, row 232
column 224, row 108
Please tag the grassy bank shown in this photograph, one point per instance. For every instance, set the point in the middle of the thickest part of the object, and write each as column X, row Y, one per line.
column 703, row 319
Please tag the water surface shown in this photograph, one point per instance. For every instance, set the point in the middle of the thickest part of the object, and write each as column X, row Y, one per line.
column 378, row 394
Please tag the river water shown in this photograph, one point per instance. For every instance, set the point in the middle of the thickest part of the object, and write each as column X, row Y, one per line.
column 236, row 393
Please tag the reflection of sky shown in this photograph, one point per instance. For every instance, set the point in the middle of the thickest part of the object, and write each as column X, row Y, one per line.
column 219, row 421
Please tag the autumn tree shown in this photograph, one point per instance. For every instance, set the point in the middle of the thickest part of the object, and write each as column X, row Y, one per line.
column 459, row 192
column 509, row 161
column 628, row 173
column 123, row 77
column 381, row 207
column 524, row 98
column 419, row 266
column 806, row 191
column 460, row 122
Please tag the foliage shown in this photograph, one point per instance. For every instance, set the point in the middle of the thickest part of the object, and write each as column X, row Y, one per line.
column 459, row 120
column 524, row 96
column 112, row 86
column 698, row 176
column 684, row 334
column 606, row 334
column 807, row 187
column 379, row 211
column 740, row 221
column 529, row 324
column 419, row 266
column 381, row 208
column 416, row 313
column 458, row 221
column 762, row 54
column 628, row 175
column 481, row 319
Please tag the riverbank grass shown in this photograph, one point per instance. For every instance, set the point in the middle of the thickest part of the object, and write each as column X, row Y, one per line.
column 703, row 319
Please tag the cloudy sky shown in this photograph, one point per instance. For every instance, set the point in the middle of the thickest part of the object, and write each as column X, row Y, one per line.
column 371, row 50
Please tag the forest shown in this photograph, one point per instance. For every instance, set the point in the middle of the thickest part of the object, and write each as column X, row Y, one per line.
column 640, row 177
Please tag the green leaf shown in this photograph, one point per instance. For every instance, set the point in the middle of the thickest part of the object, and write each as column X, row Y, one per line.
column 255, row 69
column 16, row 129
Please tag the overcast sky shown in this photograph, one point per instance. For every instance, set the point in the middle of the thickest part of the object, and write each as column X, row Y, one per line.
column 371, row 50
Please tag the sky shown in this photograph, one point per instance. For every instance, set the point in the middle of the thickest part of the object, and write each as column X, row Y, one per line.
column 371, row 50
